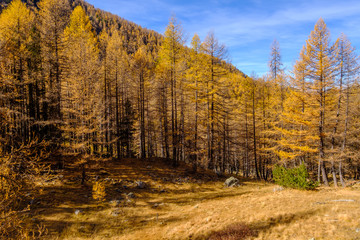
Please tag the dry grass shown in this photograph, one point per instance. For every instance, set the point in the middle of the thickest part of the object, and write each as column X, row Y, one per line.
column 200, row 208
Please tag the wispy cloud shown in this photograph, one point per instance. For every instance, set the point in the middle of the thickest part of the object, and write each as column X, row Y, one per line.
column 247, row 27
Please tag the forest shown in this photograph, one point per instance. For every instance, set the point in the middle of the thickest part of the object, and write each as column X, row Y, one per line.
column 78, row 81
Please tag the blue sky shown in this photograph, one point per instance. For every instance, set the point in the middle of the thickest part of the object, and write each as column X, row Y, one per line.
column 246, row 27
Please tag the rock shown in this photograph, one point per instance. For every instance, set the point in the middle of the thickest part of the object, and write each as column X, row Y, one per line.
column 278, row 189
column 343, row 200
column 148, row 167
column 115, row 202
column 140, row 184
column 131, row 195
column 61, row 176
column 158, row 205
column 232, row 182
column 197, row 206
column 78, row 211
column 115, row 214
column 357, row 230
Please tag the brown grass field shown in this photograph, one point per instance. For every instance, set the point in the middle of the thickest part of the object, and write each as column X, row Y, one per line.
column 178, row 205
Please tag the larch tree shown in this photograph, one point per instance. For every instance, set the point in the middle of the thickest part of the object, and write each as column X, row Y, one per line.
column 80, row 85
column 119, row 73
column 194, row 86
column 54, row 17
column 216, row 52
column 298, row 134
column 171, row 55
column 347, row 72
column 17, row 76
column 321, row 68
column 141, row 65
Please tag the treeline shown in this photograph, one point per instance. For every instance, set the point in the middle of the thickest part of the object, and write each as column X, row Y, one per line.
column 87, row 82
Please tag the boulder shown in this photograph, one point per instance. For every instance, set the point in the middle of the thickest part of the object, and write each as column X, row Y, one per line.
column 232, row 182
column 131, row 195
column 278, row 189
column 78, row 211
column 140, row 184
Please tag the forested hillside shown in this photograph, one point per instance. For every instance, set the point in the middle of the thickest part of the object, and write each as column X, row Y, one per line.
column 78, row 81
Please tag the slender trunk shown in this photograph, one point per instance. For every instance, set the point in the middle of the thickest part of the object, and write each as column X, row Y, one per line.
column 246, row 142
column 343, row 146
column 196, row 126
column 254, row 131
column 321, row 134
column 117, row 111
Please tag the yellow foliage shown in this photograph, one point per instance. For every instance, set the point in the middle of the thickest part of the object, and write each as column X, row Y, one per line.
column 99, row 192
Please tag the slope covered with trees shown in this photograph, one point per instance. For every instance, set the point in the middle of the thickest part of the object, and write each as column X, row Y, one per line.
column 77, row 81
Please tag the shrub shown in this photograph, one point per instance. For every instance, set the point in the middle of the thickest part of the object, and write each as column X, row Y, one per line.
column 99, row 192
column 297, row 177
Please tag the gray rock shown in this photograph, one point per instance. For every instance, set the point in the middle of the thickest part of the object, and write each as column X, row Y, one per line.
column 158, row 205
column 115, row 202
column 115, row 214
column 232, row 182
column 140, row 184
column 131, row 195
column 357, row 230
column 343, row 200
column 78, row 211
column 278, row 189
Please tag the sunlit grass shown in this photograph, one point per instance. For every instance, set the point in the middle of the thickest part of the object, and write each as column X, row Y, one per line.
column 195, row 209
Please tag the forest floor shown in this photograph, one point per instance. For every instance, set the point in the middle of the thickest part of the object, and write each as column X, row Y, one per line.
column 175, row 204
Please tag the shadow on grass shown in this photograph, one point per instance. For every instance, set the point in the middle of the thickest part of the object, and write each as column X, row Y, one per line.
column 57, row 204
column 115, row 226
column 195, row 198
column 245, row 231
column 282, row 219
